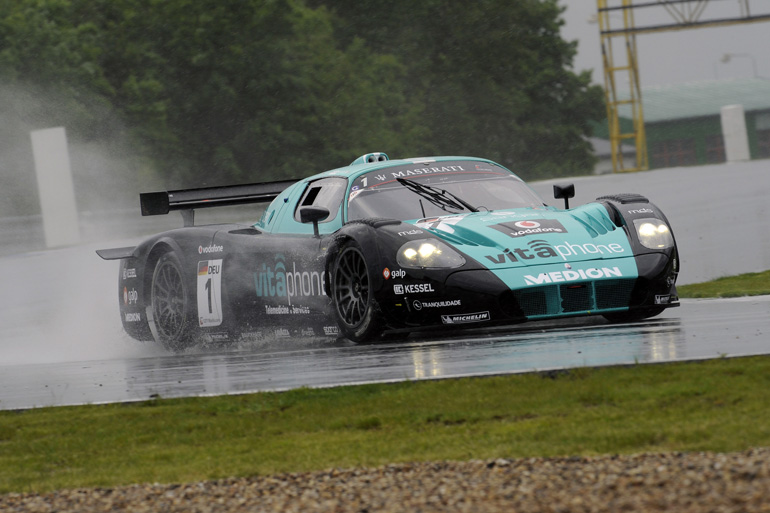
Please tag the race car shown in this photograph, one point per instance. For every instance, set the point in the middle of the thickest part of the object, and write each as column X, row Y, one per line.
column 387, row 247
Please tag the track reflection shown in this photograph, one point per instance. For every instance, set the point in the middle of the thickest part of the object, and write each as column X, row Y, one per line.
column 699, row 329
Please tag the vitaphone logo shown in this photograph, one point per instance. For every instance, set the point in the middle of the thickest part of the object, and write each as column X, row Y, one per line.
column 540, row 248
column 278, row 282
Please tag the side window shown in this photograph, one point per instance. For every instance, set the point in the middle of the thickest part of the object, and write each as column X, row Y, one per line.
column 326, row 192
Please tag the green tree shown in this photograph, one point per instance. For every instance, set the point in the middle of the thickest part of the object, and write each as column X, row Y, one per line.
column 210, row 92
column 213, row 91
column 43, row 50
column 494, row 77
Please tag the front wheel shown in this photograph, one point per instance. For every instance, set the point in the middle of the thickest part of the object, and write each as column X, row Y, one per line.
column 357, row 312
column 170, row 307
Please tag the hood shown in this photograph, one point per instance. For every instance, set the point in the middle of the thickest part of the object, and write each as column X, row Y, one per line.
column 525, row 237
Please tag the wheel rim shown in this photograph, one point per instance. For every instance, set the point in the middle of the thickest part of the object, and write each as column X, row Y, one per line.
column 351, row 287
column 168, row 301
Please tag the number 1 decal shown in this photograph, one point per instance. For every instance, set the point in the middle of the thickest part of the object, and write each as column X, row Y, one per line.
column 210, row 293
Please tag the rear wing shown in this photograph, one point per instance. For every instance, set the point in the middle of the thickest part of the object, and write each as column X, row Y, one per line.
column 187, row 200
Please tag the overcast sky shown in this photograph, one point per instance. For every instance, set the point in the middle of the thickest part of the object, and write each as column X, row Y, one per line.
column 680, row 56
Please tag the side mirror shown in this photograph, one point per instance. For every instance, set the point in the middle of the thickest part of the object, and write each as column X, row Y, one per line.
column 564, row 191
column 313, row 215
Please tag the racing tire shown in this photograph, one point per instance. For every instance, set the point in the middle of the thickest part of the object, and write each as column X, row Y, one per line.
column 355, row 308
column 170, row 308
column 633, row 315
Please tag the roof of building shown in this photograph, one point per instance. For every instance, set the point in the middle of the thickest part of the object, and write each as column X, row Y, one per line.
column 697, row 99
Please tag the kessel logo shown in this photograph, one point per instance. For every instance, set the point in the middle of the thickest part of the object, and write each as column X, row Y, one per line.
column 412, row 288
column 530, row 227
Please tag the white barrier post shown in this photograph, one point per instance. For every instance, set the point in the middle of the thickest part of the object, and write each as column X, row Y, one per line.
column 734, row 133
column 54, row 183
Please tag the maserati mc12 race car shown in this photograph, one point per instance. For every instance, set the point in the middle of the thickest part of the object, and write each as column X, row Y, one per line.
column 392, row 246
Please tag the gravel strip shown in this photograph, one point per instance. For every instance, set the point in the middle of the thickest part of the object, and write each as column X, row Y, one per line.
column 681, row 482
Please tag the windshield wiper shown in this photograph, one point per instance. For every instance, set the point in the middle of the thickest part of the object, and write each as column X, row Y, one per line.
column 439, row 197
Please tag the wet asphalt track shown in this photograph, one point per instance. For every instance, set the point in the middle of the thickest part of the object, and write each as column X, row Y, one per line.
column 61, row 341
column 699, row 329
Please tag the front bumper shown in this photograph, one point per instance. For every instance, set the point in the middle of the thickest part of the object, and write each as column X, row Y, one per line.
column 519, row 294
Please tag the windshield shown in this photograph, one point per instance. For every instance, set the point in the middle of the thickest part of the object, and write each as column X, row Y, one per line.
column 447, row 188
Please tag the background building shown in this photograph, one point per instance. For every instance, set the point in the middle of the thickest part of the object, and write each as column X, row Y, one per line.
column 683, row 126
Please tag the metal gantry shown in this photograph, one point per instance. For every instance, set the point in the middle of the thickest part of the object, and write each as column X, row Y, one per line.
column 614, row 71
column 622, row 69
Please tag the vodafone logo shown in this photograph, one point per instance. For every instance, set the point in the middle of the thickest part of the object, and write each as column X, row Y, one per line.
column 525, row 228
column 211, row 248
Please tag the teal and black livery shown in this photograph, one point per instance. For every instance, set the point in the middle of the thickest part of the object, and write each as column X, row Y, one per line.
column 390, row 247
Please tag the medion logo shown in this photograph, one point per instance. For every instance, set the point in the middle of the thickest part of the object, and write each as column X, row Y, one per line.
column 133, row 317
column 567, row 276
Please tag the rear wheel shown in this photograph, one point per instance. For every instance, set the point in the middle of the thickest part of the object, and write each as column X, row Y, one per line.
column 355, row 308
column 170, row 305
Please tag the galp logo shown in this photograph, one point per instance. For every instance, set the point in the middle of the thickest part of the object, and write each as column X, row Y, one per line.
column 395, row 273
column 530, row 227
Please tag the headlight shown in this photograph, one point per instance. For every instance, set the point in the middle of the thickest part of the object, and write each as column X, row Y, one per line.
column 653, row 233
column 417, row 254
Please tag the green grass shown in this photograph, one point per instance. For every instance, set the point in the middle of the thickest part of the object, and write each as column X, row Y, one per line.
column 751, row 284
column 718, row 405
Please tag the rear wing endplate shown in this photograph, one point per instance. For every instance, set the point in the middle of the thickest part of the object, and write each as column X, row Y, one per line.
column 187, row 200
column 116, row 253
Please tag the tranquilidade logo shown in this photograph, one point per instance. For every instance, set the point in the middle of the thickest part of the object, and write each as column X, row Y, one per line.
column 530, row 227
column 276, row 281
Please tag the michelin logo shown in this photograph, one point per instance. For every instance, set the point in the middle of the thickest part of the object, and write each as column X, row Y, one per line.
column 465, row 318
